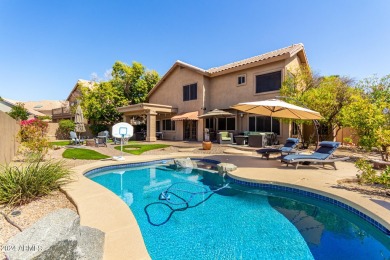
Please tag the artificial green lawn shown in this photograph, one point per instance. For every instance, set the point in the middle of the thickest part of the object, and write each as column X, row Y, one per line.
column 83, row 154
column 60, row 143
column 140, row 148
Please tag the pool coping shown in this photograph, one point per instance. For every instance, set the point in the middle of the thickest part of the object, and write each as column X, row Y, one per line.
column 95, row 204
column 123, row 238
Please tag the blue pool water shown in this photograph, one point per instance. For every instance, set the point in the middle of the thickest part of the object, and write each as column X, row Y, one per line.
column 236, row 222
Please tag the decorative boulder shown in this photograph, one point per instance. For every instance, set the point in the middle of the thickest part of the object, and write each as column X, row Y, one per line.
column 224, row 168
column 184, row 163
column 56, row 236
column 90, row 244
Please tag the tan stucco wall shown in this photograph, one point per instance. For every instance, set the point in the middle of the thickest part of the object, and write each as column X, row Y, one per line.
column 218, row 92
column 170, row 92
column 9, row 129
column 224, row 91
column 293, row 64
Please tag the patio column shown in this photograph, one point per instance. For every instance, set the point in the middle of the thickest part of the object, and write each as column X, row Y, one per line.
column 151, row 126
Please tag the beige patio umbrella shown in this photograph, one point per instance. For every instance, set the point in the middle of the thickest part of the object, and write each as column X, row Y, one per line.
column 216, row 113
column 79, row 121
column 277, row 108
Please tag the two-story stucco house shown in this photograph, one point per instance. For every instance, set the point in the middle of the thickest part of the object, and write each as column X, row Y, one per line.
column 186, row 91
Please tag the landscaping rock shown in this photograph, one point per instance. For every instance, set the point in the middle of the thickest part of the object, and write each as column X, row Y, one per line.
column 184, row 163
column 90, row 244
column 53, row 237
column 226, row 167
column 56, row 236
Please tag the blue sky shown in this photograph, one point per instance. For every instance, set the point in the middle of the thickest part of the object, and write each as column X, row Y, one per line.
column 47, row 45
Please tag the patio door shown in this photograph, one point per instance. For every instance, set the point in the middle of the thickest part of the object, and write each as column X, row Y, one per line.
column 189, row 130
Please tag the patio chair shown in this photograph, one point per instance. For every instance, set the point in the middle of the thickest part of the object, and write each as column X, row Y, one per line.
column 102, row 138
column 75, row 140
column 323, row 155
column 289, row 147
column 225, row 138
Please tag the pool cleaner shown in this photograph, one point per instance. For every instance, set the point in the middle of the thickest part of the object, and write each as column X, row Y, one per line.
column 178, row 197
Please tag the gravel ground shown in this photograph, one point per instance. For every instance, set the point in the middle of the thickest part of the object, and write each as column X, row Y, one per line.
column 30, row 213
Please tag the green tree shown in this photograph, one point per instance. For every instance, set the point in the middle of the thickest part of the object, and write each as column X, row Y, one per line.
column 18, row 112
column 134, row 80
column 99, row 104
column 326, row 95
column 369, row 114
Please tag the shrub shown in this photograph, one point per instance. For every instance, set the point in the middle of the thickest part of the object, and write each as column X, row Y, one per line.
column 369, row 175
column 64, row 128
column 44, row 117
column 36, row 124
column 18, row 112
column 19, row 185
column 347, row 140
column 32, row 136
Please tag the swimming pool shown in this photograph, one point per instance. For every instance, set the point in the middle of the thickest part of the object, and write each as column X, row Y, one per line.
column 236, row 221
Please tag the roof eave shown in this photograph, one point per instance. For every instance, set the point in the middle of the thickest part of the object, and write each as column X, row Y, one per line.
column 300, row 52
column 178, row 63
column 250, row 65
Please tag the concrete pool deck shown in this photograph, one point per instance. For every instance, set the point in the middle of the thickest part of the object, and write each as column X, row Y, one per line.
column 100, row 208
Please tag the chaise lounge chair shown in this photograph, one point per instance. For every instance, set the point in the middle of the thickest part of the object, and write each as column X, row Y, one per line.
column 288, row 148
column 323, row 155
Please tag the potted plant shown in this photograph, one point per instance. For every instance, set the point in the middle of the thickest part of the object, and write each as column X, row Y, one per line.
column 206, row 143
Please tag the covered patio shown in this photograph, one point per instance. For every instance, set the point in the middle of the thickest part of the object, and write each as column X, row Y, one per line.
column 151, row 111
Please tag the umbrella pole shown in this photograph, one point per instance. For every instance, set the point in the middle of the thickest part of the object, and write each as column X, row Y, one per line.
column 271, row 123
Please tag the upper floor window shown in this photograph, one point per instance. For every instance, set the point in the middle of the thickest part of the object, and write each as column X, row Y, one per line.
column 268, row 82
column 241, row 80
column 190, row 92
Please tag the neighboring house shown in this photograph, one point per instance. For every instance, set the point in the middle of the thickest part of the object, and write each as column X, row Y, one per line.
column 7, row 104
column 44, row 106
column 186, row 91
column 65, row 111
